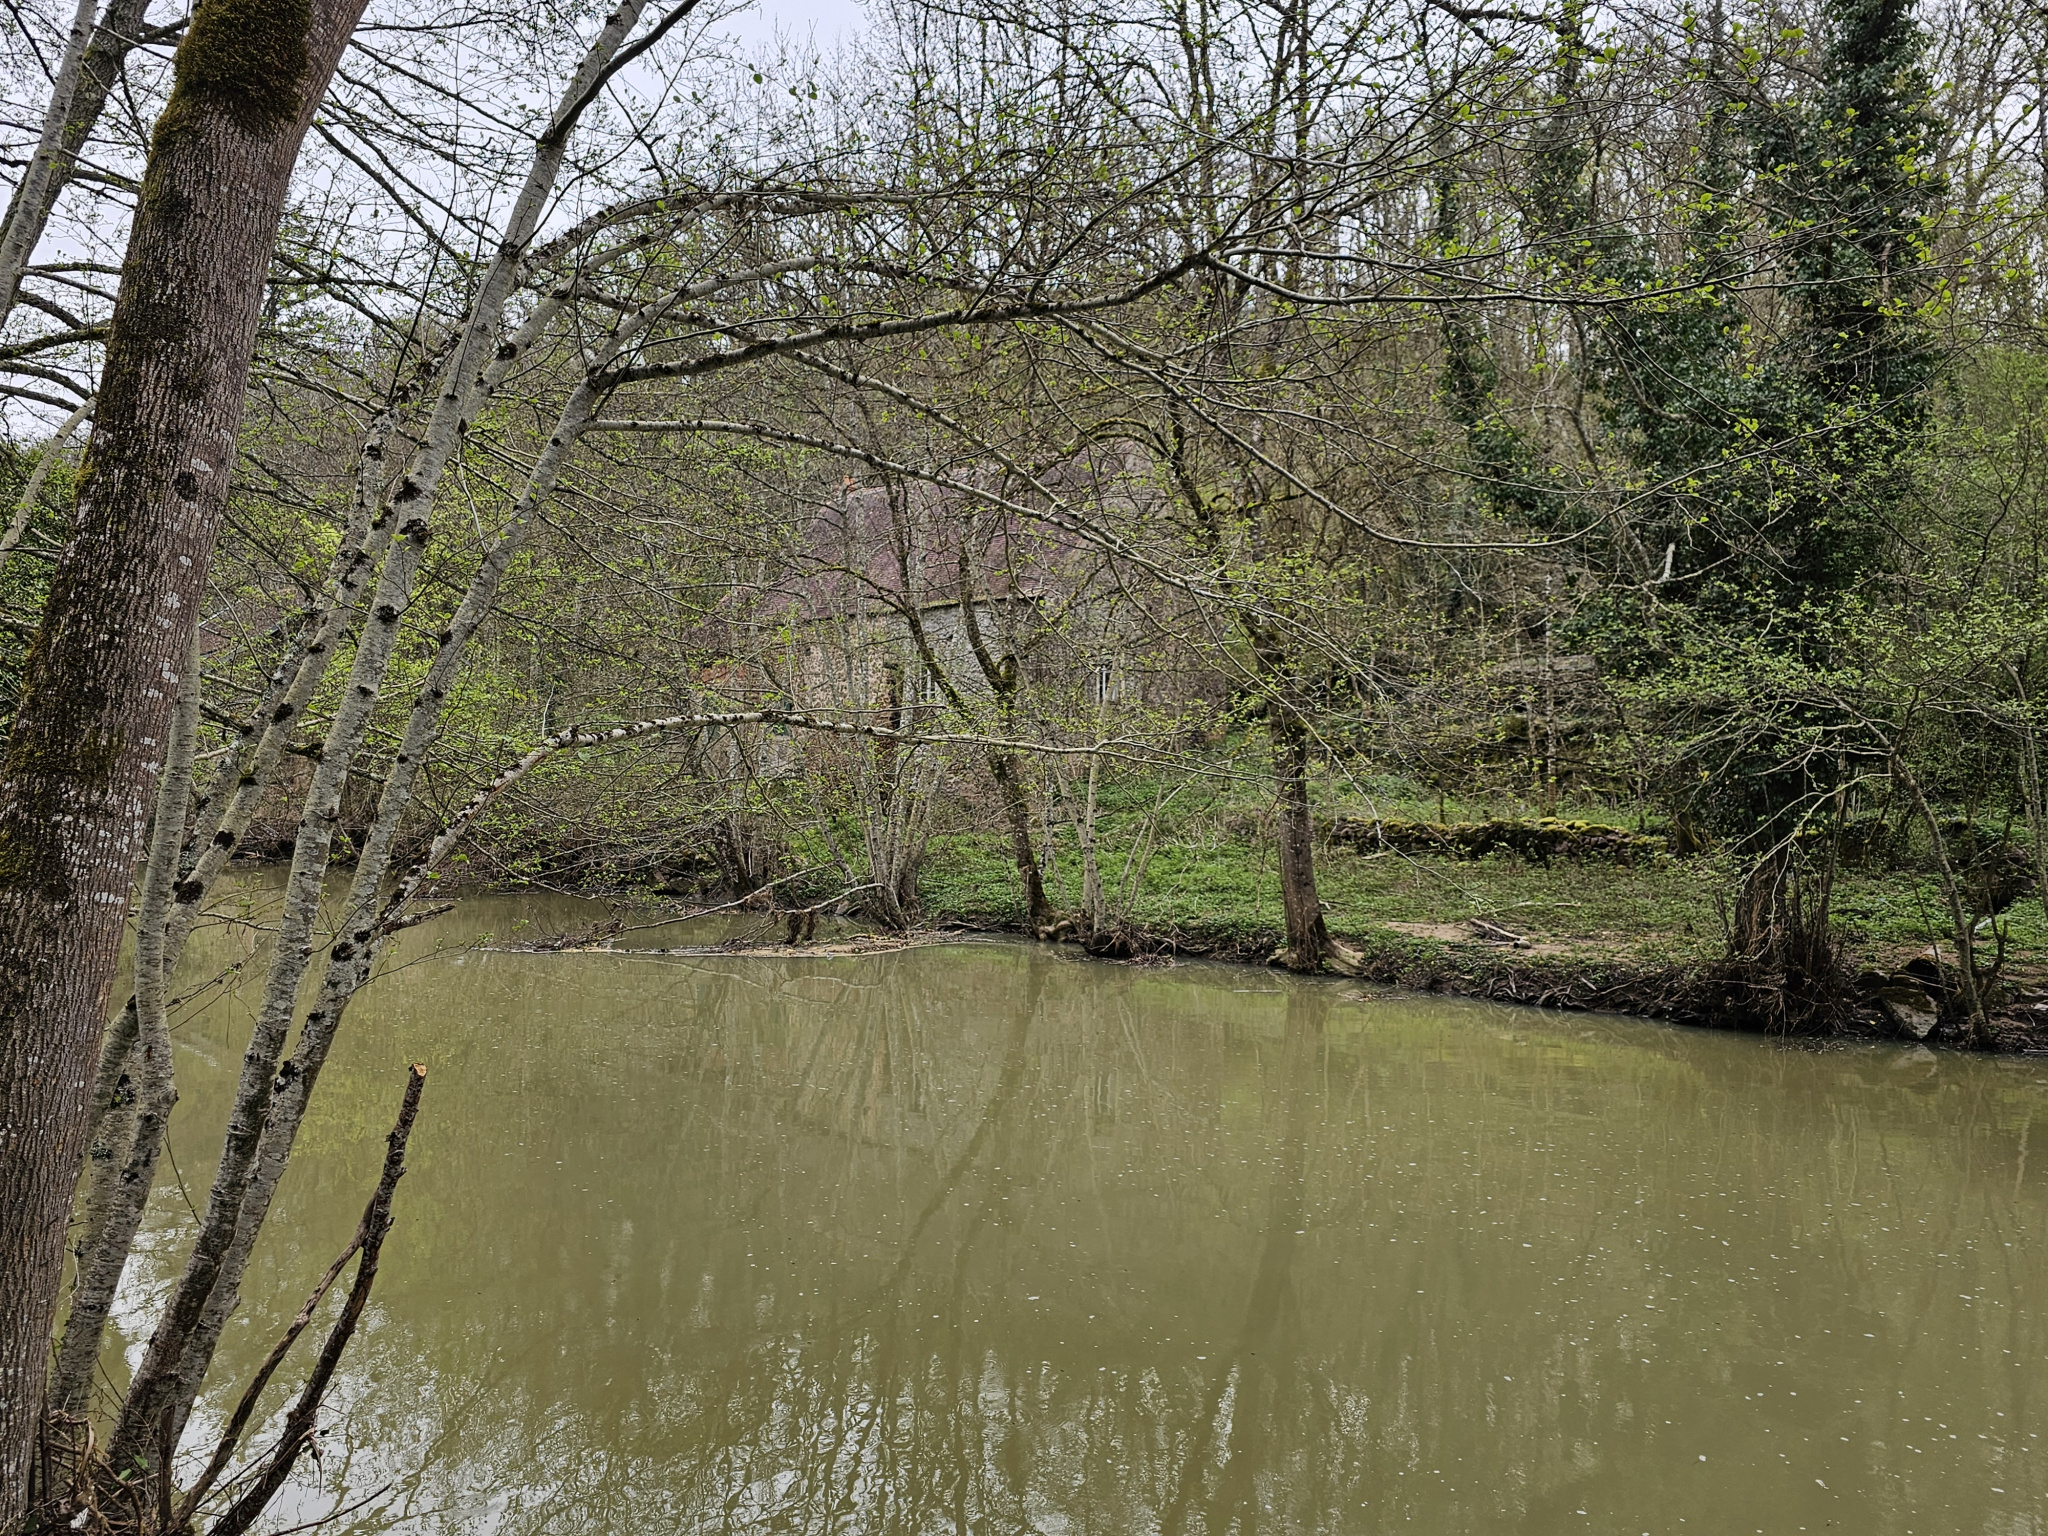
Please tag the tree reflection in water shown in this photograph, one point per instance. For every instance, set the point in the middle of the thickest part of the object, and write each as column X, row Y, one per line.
column 990, row 1240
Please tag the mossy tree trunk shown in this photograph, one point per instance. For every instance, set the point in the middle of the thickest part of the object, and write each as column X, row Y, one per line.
column 88, row 741
column 1309, row 945
column 1038, row 912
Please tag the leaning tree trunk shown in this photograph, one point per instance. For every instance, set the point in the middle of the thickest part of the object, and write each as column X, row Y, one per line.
column 1002, row 767
column 17, row 237
column 1002, row 677
column 87, row 743
column 174, row 1363
column 78, row 97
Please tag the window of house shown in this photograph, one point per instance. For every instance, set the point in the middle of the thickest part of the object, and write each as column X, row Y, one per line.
column 1101, row 680
column 929, row 691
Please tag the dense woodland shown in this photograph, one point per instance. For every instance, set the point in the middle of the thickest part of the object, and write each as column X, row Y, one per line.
column 1138, row 474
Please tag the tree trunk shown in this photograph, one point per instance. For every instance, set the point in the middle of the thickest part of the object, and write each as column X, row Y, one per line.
column 299, row 1423
column 1081, row 817
column 1782, row 935
column 31, row 494
column 87, row 743
column 175, row 1366
column 17, row 238
column 1757, row 933
column 1970, row 989
column 1002, row 677
column 1308, row 939
column 477, row 359
column 73, row 112
column 2030, row 784
column 1038, row 914
column 111, row 1233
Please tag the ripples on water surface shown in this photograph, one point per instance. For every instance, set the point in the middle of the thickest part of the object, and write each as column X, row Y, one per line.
column 986, row 1238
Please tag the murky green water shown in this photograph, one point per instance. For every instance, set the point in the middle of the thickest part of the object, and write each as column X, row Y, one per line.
column 986, row 1238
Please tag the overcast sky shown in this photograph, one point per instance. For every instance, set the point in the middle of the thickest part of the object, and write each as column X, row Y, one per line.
column 827, row 21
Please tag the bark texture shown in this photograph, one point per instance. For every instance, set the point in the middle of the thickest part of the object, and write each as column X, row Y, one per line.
column 1309, row 945
column 1308, row 938
column 1002, row 677
column 88, row 742
column 1002, row 767
column 122, row 1182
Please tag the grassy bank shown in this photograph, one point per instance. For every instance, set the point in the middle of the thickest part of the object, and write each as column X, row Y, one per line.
column 1646, row 938
column 1580, row 905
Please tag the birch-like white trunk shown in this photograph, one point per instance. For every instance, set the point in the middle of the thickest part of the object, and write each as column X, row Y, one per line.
column 18, row 241
column 293, row 684
column 72, row 113
column 165, row 1377
column 211, row 842
column 352, row 957
column 354, row 953
column 25, row 510
column 87, row 745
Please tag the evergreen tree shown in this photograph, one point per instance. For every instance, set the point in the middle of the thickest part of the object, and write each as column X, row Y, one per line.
column 1848, row 186
column 1777, row 468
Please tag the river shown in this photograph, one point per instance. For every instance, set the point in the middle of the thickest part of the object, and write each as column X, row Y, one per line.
column 986, row 1237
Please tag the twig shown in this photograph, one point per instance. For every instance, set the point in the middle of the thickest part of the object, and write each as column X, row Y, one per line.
column 239, row 1421
column 298, row 1428
column 330, row 1518
column 180, row 1177
column 740, row 901
column 165, row 1440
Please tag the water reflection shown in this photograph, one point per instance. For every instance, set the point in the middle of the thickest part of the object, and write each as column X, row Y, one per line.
column 987, row 1239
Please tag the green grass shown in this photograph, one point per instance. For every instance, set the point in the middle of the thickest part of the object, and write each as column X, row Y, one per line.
column 1229, row 890
column 1212, row 878
column 1880, row 915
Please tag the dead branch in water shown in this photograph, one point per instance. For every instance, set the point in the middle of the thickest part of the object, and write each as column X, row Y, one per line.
column 849, row 948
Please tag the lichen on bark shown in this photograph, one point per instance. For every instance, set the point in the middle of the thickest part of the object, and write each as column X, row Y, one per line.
column 44, row 777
